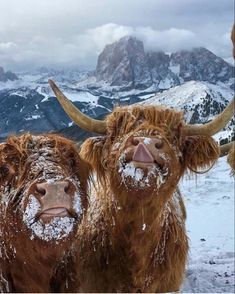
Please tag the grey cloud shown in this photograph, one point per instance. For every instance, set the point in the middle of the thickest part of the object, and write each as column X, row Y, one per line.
column 73, row 32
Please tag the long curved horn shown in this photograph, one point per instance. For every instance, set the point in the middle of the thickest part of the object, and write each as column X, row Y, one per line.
column 213, row 126
column 82, row 120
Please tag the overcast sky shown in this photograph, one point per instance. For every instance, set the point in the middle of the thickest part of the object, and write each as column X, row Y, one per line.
column 57, row 33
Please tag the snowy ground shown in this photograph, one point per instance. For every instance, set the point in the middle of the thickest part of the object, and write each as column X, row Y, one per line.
column 210, row 223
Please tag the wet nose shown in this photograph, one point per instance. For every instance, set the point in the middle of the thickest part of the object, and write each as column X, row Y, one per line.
column 56, row 194
column 45, row 188
column 148, row 150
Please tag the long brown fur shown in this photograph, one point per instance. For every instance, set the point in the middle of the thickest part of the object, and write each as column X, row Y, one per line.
column 118, row 254
column 231, row 159
column 29, row 264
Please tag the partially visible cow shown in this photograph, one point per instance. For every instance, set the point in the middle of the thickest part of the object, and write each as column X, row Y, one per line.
column 43, row 196
column 231, row 153
column 233, row 40
column 231, row 159
column 229, row 150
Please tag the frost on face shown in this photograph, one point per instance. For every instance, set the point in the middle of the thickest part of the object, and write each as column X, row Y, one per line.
column 139, row 179
column 77, row 206
column 58, row 228
column 147, row 141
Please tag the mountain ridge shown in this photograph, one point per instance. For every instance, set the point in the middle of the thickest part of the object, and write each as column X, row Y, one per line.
column 127, row 65
column 33, row 106
column 7, row 75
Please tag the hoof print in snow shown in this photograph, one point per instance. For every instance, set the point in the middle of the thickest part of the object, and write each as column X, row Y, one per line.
column 226, row 197
column 212, row 262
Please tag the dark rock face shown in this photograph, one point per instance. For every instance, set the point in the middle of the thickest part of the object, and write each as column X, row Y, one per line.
column 201, row 65
column 125, row 63
column 8, row 75
column 159, row 66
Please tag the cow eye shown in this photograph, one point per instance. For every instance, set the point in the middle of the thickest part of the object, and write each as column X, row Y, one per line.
column 4, row 170
column 158, row 143
column 72, row 162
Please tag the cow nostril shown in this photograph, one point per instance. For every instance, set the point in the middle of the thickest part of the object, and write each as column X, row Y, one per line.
column 40, row 190
column 66, row 188
column 135, row 141
column 159, row 144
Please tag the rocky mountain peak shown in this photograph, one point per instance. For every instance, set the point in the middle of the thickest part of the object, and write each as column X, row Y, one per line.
column 200, row 64
column 126, row 64
column 8, row 75
column 123, row 63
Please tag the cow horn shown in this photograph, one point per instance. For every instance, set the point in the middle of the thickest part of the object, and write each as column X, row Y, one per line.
column 82, row 120
column 213, row 126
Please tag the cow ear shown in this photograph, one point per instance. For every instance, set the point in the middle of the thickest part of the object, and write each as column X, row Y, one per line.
column 92, row 151
column 200, row 152
column 8, row 162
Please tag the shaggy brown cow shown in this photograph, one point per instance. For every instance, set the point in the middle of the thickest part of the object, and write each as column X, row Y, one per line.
column 134, row 238
column 43, row 194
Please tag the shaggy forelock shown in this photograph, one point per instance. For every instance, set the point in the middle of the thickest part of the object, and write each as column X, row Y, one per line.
column 126, row 119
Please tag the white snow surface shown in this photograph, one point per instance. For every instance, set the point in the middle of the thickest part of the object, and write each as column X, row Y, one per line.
column 190, row 93
column 209, row 202
column 82, row 96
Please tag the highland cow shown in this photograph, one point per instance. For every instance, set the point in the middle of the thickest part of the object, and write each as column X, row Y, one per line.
column 133, row 237
column 43, row 196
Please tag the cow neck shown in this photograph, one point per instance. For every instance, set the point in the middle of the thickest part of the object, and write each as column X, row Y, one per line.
column 141, row 227
column 144, row 229
column 141, row 215
column 33, row 264
column 31, row 275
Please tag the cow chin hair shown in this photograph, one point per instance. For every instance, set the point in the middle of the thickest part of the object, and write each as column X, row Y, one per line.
column 139, row 197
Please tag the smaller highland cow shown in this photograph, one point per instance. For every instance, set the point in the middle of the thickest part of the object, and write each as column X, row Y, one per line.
column 43, row 196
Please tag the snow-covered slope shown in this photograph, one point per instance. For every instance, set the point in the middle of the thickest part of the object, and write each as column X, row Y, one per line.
column 34, row 107
column 191, row 93
column 200, row 102
column 209, row 202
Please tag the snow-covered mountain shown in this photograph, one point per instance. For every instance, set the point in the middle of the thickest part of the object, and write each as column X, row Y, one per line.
column 125, row 74
column 125, row 65
column 200, row 102
column 33, row 107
